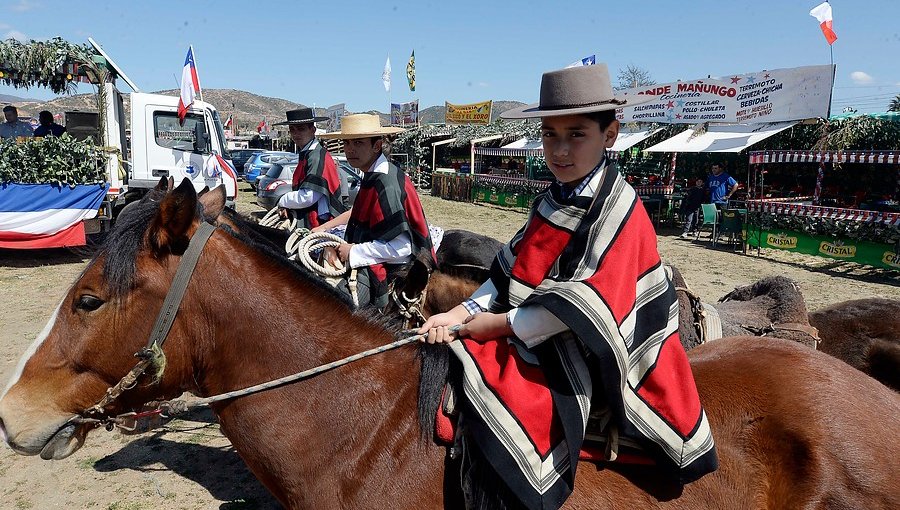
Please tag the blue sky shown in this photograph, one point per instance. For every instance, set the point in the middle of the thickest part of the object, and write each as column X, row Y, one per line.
column 328, row 52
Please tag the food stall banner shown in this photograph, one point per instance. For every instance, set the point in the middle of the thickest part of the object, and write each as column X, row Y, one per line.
column 776, row 95
column 405, row 114
column 474, row 113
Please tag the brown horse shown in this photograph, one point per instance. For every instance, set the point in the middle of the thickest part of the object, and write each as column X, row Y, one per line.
column 865, row 333
column 794, row 428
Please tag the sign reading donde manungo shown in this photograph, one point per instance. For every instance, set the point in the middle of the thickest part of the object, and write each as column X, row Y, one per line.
column 765, row 96
column 475, row 113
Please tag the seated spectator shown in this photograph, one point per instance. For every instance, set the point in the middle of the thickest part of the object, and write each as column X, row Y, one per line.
column 690, row 207
column 13, row 127
column 48, row 127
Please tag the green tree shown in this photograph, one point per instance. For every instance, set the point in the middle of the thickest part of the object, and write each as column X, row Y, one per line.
column 895, row 104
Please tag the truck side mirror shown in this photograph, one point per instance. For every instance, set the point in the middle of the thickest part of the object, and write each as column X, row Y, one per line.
column 201, row 138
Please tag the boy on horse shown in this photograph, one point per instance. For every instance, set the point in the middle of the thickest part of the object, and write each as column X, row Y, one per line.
column 316, row 186
column 571, row 350
column 386, row 226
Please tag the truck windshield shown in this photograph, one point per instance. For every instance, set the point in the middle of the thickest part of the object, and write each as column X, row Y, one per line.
column 220, row 133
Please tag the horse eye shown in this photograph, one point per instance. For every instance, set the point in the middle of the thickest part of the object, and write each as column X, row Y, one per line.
column 88, row 302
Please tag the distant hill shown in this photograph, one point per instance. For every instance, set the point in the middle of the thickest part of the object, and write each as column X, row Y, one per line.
column 247, row 108
column 6, row 98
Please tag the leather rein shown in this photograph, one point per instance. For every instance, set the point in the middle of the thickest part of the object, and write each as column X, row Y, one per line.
column 152, row 354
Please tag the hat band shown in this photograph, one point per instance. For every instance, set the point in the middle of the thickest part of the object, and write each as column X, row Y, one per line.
column 584, row 105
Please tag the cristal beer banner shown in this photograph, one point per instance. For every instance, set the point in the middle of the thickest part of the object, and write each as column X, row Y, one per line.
column 776, row 95
column 475, row 113
column 861, row 252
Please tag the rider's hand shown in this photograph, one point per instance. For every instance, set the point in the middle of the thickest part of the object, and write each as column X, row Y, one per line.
column 343, row 251
column 486, row 326
column 320, row 228
column 331, row 257
column 282, row 213
column 437, row 326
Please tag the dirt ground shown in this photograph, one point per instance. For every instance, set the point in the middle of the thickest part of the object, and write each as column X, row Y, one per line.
column 190, row 465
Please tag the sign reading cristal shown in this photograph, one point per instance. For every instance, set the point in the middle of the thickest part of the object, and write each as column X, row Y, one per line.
column 781, row 241
column 837, row 249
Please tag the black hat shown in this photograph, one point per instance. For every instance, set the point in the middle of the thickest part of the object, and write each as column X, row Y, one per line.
column 301, row 116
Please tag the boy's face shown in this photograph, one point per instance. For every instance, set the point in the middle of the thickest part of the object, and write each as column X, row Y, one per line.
column 301, row 134
column 574, row 144
column 362, row 152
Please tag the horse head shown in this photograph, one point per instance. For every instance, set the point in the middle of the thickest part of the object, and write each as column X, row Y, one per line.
column 772, row 305
column 106, row 317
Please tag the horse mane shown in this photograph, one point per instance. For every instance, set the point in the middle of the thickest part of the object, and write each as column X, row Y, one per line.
column 126, row 240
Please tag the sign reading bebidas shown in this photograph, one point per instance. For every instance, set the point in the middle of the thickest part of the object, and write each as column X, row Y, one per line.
column 778, row 95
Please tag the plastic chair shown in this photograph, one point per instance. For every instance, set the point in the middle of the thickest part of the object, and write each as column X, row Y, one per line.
column 711, row 218
column 732, row 225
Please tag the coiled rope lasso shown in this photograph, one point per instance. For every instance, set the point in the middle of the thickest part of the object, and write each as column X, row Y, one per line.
column 273, row 220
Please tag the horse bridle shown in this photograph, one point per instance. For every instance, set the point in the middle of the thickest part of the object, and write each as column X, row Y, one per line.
column 150, row 355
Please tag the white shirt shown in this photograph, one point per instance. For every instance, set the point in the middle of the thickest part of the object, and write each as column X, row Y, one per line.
column 303, row 198
column 396, row 251
column 533, row 324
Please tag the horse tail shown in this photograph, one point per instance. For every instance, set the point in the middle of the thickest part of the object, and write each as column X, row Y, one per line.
column 435, row 361
column 883, row 357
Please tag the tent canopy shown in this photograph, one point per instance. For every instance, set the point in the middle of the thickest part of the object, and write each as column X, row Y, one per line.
column 525, row 147
column 720, row 138
column 628, row 138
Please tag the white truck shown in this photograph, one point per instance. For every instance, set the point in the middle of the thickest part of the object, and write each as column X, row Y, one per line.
column 161, row 146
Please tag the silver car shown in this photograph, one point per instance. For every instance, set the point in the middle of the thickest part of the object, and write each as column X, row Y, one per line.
column 278, row 180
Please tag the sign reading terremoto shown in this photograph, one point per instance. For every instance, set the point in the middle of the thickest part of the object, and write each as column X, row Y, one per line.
column 765, row 96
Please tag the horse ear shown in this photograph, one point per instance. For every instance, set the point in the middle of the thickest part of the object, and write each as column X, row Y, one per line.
column 203, row 191
column 213, row 202
column 162, row 185
column 172, row 183
column 419, row 272
column 172, row 227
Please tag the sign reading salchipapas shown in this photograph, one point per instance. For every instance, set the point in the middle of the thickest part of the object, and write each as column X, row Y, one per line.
column 766, row 96
column 475, row 113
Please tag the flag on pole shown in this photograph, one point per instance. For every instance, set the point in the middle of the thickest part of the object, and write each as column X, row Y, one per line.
column 229, row 121
column 411, row 72
column 262, row 127
column 586, row 61
column 822, row 12
column 190, row 85
column 386, row 75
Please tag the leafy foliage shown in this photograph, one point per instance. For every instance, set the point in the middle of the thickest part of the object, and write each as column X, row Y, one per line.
column 43, row 63
column 895, row 104
column 60, row 161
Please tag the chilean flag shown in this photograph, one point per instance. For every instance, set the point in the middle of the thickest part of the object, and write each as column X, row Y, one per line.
column 190, row 85
column 215, row 166
column 822, row 12
column 47, row 215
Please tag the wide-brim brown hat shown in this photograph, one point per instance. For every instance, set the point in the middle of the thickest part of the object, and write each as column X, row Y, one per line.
column 574, row 91
column 301, row 116
column 361, row 125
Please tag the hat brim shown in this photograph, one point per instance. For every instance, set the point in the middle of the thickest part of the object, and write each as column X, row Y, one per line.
column 338, row 135
column 534, row 110
column 304, row 121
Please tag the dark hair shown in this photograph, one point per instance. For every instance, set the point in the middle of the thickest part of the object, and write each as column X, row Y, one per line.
column 45, row 115
column 10, row 108
column 604, row 118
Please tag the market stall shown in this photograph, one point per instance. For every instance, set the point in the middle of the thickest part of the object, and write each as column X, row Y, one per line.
column 868, row 234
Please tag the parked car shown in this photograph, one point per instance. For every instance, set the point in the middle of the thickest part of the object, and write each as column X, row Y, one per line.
column 259, row 164
column 239, row 158
column 277, row 181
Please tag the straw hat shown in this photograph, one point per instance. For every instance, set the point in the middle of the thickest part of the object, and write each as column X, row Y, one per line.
column 573, row 91
column 361, row 125
column 301, row 116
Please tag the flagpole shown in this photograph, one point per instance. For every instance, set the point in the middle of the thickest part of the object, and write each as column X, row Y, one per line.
column 199, row 88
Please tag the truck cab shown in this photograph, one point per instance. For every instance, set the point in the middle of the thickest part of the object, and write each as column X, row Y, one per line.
column 162, row 146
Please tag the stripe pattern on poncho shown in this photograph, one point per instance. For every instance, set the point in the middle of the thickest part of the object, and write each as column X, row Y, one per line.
column 318, row 172
column 593, row 263
column 386, row 206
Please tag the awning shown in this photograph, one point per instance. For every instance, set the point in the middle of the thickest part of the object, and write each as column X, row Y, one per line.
column 628, row 138
column 521, row 147
column 720, row 138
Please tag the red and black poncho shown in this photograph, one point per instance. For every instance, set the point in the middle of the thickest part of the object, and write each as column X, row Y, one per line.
column 387, row 206
column 318, row 172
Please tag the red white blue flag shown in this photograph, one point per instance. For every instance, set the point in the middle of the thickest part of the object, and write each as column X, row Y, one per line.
column 822, row 13
column 216, row 166
column 47, row 215
column 190, row 84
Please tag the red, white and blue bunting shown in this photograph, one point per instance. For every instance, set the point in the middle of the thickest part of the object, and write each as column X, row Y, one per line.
column 788, row 156
column 47, row 215
column 816, row 211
